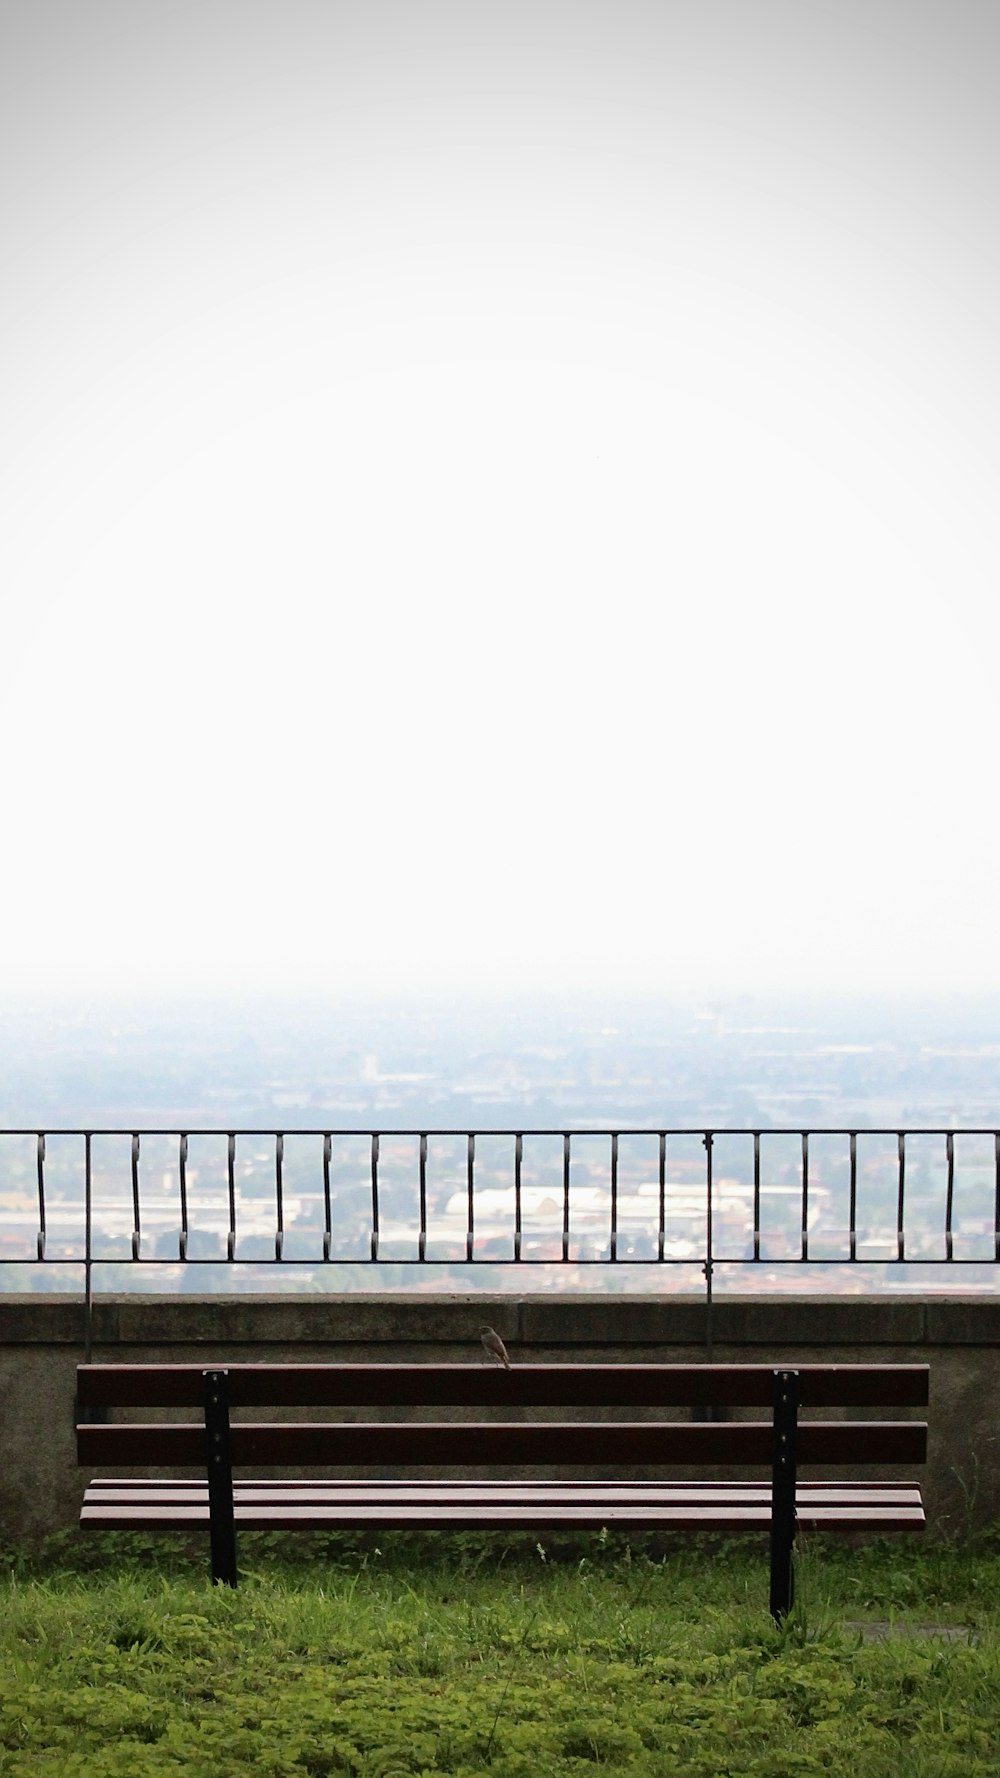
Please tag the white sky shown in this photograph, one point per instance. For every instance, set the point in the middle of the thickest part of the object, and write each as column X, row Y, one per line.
column 500, row 494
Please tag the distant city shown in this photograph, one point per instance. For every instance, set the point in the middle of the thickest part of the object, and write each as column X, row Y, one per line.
column 537, row 1215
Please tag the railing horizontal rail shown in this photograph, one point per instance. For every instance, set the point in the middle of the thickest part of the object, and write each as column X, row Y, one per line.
column 463, row 1131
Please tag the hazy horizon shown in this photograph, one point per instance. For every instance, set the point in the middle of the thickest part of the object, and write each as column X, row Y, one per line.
column 916, row 1060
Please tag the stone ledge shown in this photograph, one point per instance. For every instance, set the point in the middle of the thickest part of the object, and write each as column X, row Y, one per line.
column 388, row 1322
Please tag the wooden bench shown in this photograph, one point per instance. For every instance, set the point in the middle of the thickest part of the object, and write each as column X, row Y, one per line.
column 776, row 1444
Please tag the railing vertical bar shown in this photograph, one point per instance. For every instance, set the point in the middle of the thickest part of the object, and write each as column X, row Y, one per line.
column 709, row 1266
column 88, row 1250
column 279, row 1194
column 518, row 1157
column 470, row 1164
column 182, row 1155
column 136, row 1223
column 661, row 1244
column 327, row 1206
column 422, row 1239
column 614, row 1195
column 40, row 1160
column 949, row 1195
column 996, row 1194
column 231, row 1184
column 852, row 1208
column 566, row 1173
column 900, row 1235
column 805, row 1194
column 756, row 1194
column 375, row 1215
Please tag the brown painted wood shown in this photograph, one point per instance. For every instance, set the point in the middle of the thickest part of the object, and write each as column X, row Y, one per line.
column 482, row 1385
column 697, row 1519
column 460, row 1484
column 460, row 1488
column 495, row 1507
column 493, row 1443
column 462, row 1493
column 437, row 1504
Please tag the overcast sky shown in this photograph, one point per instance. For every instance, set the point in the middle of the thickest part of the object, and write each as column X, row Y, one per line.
column 500, row 494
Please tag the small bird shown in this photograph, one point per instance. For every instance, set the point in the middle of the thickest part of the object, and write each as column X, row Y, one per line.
column 493, row 1344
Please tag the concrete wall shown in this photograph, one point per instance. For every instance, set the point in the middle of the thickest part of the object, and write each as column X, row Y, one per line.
column 41, row 1340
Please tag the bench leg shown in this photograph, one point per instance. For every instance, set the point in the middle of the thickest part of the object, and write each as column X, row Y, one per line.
column 786, row 1411
column 221, row 1512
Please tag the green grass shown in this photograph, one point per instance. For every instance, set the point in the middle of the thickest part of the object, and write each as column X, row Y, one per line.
column 472, row 1655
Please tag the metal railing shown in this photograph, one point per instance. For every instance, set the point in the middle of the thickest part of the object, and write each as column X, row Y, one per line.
column 692, row 1198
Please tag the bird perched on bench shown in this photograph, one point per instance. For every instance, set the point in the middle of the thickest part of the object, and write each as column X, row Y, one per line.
column 493, row 1344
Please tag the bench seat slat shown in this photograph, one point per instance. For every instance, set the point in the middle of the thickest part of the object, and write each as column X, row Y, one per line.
column 519, row 1505
column 463, row 1492
column 479, row 1385
column 417, row 1518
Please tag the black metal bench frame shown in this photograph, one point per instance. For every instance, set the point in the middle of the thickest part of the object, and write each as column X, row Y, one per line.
column 780, row 1444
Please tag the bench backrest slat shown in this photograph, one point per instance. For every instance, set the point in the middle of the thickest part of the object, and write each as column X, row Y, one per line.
column 497, row 1444
column 481, row 1385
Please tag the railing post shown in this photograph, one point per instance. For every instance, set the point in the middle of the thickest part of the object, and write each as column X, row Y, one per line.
column 88, row 1256
column 375, row 1210
column 136, row 1211
column 996, row 1194
column 470, row 1168
column 951, row 1197
column 327, row 1216
column 613, row 1247
column 221, row 1509
column 756, row 1194
column 853, row 1202
column 518, row 1164
column 422, row 1247
column 40, row 1163
column 805, row 1194
column 708, row 1267
column 566, row 1178
column 231, row 1186
column 279, row 1195
column 783, row 1460
column 661, row 1238
column 900, row 1230
column 182, row 1155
